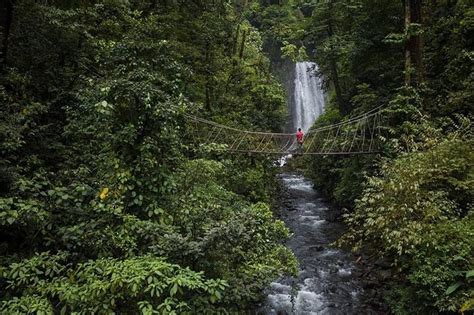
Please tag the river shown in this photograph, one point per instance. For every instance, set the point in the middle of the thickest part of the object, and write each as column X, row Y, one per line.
column 326, row 283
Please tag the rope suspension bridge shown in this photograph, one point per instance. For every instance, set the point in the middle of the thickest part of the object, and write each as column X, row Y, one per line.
column 357, row 135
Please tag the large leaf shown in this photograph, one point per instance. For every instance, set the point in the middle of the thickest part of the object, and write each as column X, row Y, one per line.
column 453, row 288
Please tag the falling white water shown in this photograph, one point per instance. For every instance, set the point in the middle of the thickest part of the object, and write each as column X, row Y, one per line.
column 308, row 101
column 308, row 96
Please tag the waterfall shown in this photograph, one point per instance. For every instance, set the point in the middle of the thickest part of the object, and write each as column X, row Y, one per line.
column 308, row 102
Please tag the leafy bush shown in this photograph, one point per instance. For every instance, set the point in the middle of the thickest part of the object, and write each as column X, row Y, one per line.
column 419, row 214
column 144, row 284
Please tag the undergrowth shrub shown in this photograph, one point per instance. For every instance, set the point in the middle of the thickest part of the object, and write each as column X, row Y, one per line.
column 418, row 212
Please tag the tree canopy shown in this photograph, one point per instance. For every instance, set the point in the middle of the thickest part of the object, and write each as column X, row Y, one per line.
column 107, row 204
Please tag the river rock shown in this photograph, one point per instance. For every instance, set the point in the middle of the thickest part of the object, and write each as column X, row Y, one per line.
column 318, row 248
column 382, row 263
column 369, row 284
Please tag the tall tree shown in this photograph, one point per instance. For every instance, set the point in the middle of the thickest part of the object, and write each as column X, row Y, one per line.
column 328, row 18
column 414, row 45
column 6, row 18
column 332, row 60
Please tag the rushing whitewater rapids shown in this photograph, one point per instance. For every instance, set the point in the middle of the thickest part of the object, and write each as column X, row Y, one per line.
column 325, row 283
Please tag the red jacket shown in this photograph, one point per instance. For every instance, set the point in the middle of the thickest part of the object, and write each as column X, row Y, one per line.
column 299, row 136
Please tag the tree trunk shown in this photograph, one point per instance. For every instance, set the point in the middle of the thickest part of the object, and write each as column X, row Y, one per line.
column 407, row 43
column 208, row 75
column 235, row 42
column 337, row 86
column 414, row 44
column 6, row 16
column 242, row 45
column 333, row 64
column 417, row 54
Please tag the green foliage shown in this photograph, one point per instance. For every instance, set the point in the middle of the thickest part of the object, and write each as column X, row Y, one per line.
column 28, row 304
column 225, row 236
column 414, row 205
column 282, row 26
column 106, row 202
column 338, row 178
column 348, row 41
column 293, row 53
column 448, row 58
column 105, row 285
column 419, row 213
column 279, row 22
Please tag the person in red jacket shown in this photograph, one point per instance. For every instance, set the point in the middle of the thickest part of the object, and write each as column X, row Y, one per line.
column 299, row 138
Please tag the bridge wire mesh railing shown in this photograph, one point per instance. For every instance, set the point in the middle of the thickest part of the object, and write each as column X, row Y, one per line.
column 357, row 135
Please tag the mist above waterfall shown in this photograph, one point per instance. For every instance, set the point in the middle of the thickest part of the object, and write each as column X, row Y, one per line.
column 309, row 101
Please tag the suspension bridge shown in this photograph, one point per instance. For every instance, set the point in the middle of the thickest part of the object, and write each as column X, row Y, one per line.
column 356, row 135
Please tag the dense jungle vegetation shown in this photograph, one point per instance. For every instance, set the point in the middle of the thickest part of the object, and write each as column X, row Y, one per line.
column 108, row 205
column 412, row 205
